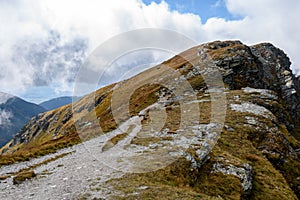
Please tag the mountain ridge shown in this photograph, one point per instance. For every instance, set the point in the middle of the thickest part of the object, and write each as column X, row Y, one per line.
column 15, row 112
column 256, row 157
column 56, row 102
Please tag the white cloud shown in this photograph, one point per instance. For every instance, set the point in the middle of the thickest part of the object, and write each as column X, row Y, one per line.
column 26, row 30
column 5, row 117
column 4, row 97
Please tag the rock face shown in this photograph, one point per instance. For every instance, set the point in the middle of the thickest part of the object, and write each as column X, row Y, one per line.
column 14, row 113
column 261, row 66
column 254, row 155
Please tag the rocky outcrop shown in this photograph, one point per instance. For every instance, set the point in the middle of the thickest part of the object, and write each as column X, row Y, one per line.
column 260, row 66
column 243, row 172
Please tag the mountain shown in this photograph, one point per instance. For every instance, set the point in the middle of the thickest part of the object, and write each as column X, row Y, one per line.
column 174, row 131
column 56, row 102
column 14, row 113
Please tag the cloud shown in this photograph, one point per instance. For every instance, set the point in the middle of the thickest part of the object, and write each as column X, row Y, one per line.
column 44, row 43
column 5, row 117
column 218, row 3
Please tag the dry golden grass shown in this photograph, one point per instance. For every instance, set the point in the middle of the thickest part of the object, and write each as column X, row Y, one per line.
column 23, row 176
column 31, row 151
column 178, row 178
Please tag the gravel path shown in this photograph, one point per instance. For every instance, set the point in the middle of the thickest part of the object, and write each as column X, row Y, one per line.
column 84, row 172
column 68, row 177
column 64, row 178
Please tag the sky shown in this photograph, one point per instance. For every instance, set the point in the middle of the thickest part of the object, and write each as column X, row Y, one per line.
column 44, row 43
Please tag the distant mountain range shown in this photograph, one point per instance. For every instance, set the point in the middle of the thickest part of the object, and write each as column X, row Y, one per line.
column 56, row 102
column 14, row 113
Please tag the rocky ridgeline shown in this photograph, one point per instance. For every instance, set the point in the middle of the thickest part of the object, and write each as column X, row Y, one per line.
column 260, row 66
column 256, row 156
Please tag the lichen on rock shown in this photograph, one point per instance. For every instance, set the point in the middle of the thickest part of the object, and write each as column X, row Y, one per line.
column 243, row 172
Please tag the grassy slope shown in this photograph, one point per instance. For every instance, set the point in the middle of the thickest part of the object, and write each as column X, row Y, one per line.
column 178, row 181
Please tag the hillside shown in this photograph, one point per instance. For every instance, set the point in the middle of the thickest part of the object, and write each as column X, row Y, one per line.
column 234, row 139
column 14, row 113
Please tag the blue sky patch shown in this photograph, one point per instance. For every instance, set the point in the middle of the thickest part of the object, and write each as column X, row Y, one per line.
column 204, row 8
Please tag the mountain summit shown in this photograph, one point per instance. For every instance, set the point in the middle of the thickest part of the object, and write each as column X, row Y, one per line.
column 161, row 148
